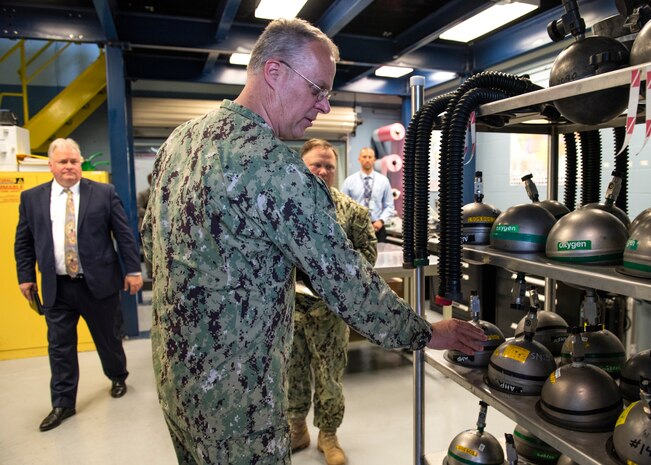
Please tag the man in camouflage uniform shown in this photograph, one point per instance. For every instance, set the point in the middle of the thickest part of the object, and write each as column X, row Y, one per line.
column 232, row 212
column 320, row 344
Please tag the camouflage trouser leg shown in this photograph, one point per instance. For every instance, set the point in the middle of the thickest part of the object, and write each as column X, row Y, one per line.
column 319, row 353
column 270, row 447
column 181, row 441
column 299, row 370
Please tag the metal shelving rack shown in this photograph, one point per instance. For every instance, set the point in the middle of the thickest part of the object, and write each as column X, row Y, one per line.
column 606, row 278
column 583, row 448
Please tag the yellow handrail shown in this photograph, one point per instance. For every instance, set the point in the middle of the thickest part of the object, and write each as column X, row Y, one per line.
column 11, row 50
column 22, row 71
column 20, row 46
column 47, row 63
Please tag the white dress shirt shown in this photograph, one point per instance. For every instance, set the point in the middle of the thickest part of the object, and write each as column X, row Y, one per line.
column 58, row 200
column 381, row 205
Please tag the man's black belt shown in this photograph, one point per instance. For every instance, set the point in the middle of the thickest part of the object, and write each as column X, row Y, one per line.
column 65, row 277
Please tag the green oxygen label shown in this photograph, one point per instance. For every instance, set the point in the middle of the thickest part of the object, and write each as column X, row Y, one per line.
column 573, row 245
column 510, row 228
column 631, row 244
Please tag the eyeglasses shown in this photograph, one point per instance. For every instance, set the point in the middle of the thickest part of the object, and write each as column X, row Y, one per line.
column 321, row 93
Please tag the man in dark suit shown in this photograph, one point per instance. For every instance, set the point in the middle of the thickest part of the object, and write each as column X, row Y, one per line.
column 67, row 226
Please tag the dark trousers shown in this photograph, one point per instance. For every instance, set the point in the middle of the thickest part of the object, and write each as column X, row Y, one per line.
column 381, row 234
column 103, row 318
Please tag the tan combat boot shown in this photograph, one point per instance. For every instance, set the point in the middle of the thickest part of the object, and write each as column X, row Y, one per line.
column 300, row 437
column 331, row 449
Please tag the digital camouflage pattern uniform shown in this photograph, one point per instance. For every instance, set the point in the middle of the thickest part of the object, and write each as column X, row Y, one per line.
column 232, row 211
column 320, row 344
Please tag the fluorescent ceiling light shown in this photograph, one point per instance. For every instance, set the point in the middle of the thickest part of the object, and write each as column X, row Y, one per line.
column 239, row 59
column 274, row 9
column 486, row 21
column 441, row 76
column 392, row 71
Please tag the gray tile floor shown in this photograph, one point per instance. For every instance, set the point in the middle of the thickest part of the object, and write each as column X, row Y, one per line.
column 377, row 428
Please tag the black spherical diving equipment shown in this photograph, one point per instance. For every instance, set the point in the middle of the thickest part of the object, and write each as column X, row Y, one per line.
column 580, row 396
column 554, row 207
column 477, row 217
column 600, row 347
column 475, row 446
column 632, row 429
column 494, row 335
column 587, row 56
column 521, row 365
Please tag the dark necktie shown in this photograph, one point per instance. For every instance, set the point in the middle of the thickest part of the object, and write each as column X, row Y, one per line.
column 368, row 189
column 70, row 237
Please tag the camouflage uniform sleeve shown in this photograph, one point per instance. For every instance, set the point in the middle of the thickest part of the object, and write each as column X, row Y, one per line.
column 362, row 233
column 145, row 233
column 298, row 213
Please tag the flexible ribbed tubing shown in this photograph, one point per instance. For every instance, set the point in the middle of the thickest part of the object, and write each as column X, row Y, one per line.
column 621, row 166
column 409, row 154
column 570, row 170
column 450, row 187
column 451, row 221
column 416, row 180
column 590, row 166
column 423, row 145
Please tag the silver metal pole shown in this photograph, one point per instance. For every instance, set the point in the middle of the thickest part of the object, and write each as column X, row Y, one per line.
column 552, row 194
column 417, row 84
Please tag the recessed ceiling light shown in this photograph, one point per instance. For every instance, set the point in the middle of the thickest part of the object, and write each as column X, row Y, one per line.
column 392, row 71
column 488, row 20
column 239, row 59
column 274, row 9
column 441, row 76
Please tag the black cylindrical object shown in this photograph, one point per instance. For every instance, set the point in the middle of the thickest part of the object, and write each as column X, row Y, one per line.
column 590, row 166
column 570, row 170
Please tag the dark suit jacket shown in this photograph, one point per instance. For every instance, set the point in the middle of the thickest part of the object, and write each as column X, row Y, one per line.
column 101, row 219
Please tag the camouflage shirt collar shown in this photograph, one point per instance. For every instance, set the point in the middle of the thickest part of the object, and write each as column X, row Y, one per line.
column 245, row 112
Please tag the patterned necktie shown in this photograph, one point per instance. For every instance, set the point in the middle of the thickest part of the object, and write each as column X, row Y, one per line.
column 70, row 237
column 368, row 189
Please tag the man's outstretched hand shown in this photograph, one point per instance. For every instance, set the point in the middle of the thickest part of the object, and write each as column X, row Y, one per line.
column 458, row 335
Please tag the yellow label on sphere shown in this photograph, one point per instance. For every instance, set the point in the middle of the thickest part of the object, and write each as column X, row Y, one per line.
column 480, row 219
column 517, row 353
column 467, row 450
column 622, row 417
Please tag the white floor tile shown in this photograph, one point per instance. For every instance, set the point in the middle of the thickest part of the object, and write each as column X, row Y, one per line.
column 377, row 428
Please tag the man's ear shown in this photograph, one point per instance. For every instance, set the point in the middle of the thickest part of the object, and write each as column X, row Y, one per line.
column 271, row 71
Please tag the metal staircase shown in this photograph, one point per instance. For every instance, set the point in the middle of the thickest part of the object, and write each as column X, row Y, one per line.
column 63, row 114
column 70, row 107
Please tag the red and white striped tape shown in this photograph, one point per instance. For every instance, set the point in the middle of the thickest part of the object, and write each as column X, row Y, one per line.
column 633, row 99
column 469, row 151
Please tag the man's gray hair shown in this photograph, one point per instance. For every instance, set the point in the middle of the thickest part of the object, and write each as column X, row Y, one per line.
column 61, row 142
column 285, row 39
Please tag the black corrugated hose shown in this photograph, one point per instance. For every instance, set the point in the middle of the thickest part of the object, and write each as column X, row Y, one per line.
column 415, row 184
column 570, row 170
column 423, row 145
column 450, row 187
column 590, row 166
column 409, row 150
column 621, row 166
column 453, row 166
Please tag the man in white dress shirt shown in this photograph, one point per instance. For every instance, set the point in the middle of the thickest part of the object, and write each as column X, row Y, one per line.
column 372, row 190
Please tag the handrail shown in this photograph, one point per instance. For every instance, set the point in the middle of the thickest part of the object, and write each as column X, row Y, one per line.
column 21, row 47
column 25, row 79
column 48, row 62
